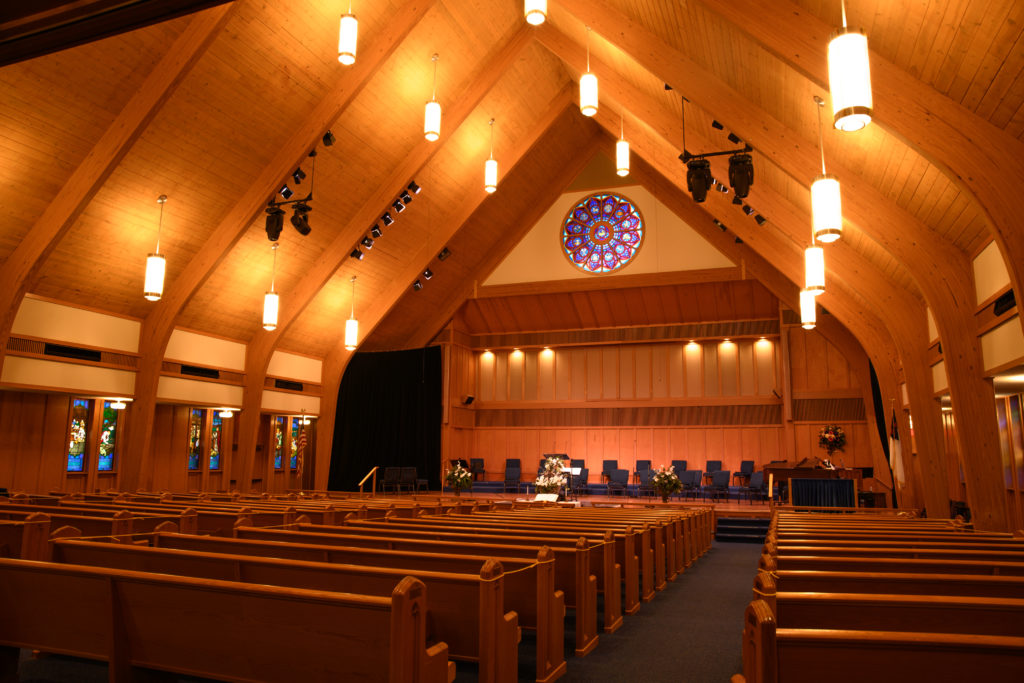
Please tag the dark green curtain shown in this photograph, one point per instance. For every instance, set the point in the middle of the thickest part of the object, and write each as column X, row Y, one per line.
column 389, row 414
column 833, row 493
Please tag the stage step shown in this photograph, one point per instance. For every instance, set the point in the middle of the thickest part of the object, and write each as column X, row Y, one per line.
column 741, row 530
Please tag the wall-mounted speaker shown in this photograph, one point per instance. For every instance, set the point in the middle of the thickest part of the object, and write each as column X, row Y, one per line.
column 1004, row 303
column 469, row 399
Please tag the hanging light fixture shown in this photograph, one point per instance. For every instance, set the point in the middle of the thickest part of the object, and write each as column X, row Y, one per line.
column 352, row 325
column 826, row 203
column 156, row 264
column 808, row 310
column 588, row 87
column 814, row 269
column 348, row 30
column 491, row 166
column 622, row 150
column 432, row 115
column 849, row 77
column 270, row 299
column 536, row 11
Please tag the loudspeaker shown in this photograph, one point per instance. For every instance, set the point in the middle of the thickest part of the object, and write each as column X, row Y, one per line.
column 469, row 399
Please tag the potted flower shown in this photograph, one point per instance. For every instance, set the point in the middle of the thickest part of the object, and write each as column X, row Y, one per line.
column 550, row 479
column 666, row 482
column 458, row 478
column 832, row 438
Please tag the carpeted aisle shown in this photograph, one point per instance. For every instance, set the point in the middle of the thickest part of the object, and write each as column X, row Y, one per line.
column 691, row 631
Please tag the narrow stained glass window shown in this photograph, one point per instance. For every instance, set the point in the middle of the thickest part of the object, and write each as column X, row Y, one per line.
column 279, row 429
column 215, row 437
column 294, row 460
column 108, row 437
column 195, row 438
column 77, row 435
column 602, row 233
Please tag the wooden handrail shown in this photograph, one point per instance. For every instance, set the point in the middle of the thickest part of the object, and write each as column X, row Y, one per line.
column 371, row 473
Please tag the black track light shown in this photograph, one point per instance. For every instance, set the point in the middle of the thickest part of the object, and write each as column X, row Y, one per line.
column 761, row 220
column 275, row 222
column 398, row 206
column 300, row 219
column 724, row 189
column 748, row 209
column 367, row 242
column 414, row 188
column 717, row 126
column 386, row 219
column 286, row 192
column 329, row 139
column 298, row 175
column 734, row 139
column 741, row 174
column 406, row 197
column 375, row 231
column 444, row 254
column 737, row 201
column 698, row 179
column 428, row 273
column 356, row 254
column 417, row 286
column 739, row 241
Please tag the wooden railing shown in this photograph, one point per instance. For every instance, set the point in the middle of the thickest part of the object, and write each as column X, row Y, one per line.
column 371, row 473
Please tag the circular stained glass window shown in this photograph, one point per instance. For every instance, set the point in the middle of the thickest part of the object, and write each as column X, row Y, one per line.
column 602, row 233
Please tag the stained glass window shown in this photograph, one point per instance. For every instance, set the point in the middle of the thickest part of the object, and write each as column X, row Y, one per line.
column 294, row 460
column 602, row 233
column 108, row 437
column 215, row 436
column 77, row 434
column 279, row 429
column 195, row 438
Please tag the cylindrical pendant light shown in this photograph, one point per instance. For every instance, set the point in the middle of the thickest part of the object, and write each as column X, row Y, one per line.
column 536, row 11
column 808, row 312
column 156, row 264
column 826, row 202
column 348, row 31
column 271, row 300
column 622, row 151
column 588, row 87
column 814, row 269
column 432, row 115
column 849, row 78
column 491, row 166
column 352, row 325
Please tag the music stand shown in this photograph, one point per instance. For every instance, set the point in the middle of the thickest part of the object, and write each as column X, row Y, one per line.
column 570, row 472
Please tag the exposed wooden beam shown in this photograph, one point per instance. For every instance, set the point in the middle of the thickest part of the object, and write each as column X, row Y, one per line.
column 22, row 267
column 158, row 325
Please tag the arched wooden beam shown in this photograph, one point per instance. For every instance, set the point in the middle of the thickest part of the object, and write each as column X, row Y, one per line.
column 158, row 325
column 982, row 159
column 941, row 270
column 22, row 267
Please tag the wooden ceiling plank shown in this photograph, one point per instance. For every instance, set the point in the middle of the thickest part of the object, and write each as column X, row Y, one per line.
column 22, row 267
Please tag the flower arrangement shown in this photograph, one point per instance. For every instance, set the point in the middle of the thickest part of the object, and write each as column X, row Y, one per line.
column 551, row 478
column 666, row 482
column 458, row 478
column 832, row 438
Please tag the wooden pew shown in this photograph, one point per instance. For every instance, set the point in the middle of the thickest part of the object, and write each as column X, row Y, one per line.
column 25, row 538
column 465, row 610
column 529, row 582
column 216, row 629
column 119, row 525
column 890, row 564
column 571, row 566
column 142, row 521
column 792, row 655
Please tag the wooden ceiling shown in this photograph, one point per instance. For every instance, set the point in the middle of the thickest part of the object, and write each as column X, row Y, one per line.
column 216, row 109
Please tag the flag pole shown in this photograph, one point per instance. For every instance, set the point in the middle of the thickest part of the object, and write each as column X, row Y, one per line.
column 893, row 440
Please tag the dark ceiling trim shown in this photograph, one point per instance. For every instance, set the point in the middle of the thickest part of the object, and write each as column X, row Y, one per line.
column 33, row 29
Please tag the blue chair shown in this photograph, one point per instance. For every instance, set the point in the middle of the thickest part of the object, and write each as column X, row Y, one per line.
column 711, row 466
column 579, row 482
column 742, row 477
column 391, row 479
column 691, row 482
column 577, row 463
column 513, row 474
column 679, row 466
column 618, row 480
column 757, row 486
column 608, row 466
column 641, row 467
column 476, row 467
column 719, row 487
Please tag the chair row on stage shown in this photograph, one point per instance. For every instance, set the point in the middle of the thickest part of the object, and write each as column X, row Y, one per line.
column 400, row 479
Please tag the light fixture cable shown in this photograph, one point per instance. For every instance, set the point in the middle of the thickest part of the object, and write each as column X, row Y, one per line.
column 434, row 58
column 161, row 200
column 273, row 268
column 491, row 124
column 821, row 139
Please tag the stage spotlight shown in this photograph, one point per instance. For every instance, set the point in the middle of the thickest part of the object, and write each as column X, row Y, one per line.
column 286, row 192
column 747, row 209
column 724, row 189
column 741, row 174
column 356, row 254
column 444, row 254
column 733, row 138
column 398, row 206
column 428, row 273
column 698, row 179
column 717, row 126
column 375, row 231
column 300, row 219
column 406, row 197
column 761, row 220
column 298, row 175
column 329, row 139
column 737, row 201
column 386, row 219
column 367, row 242
column 739, row 241
column 275, row 223
column 414, row 188
column 417, row 286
